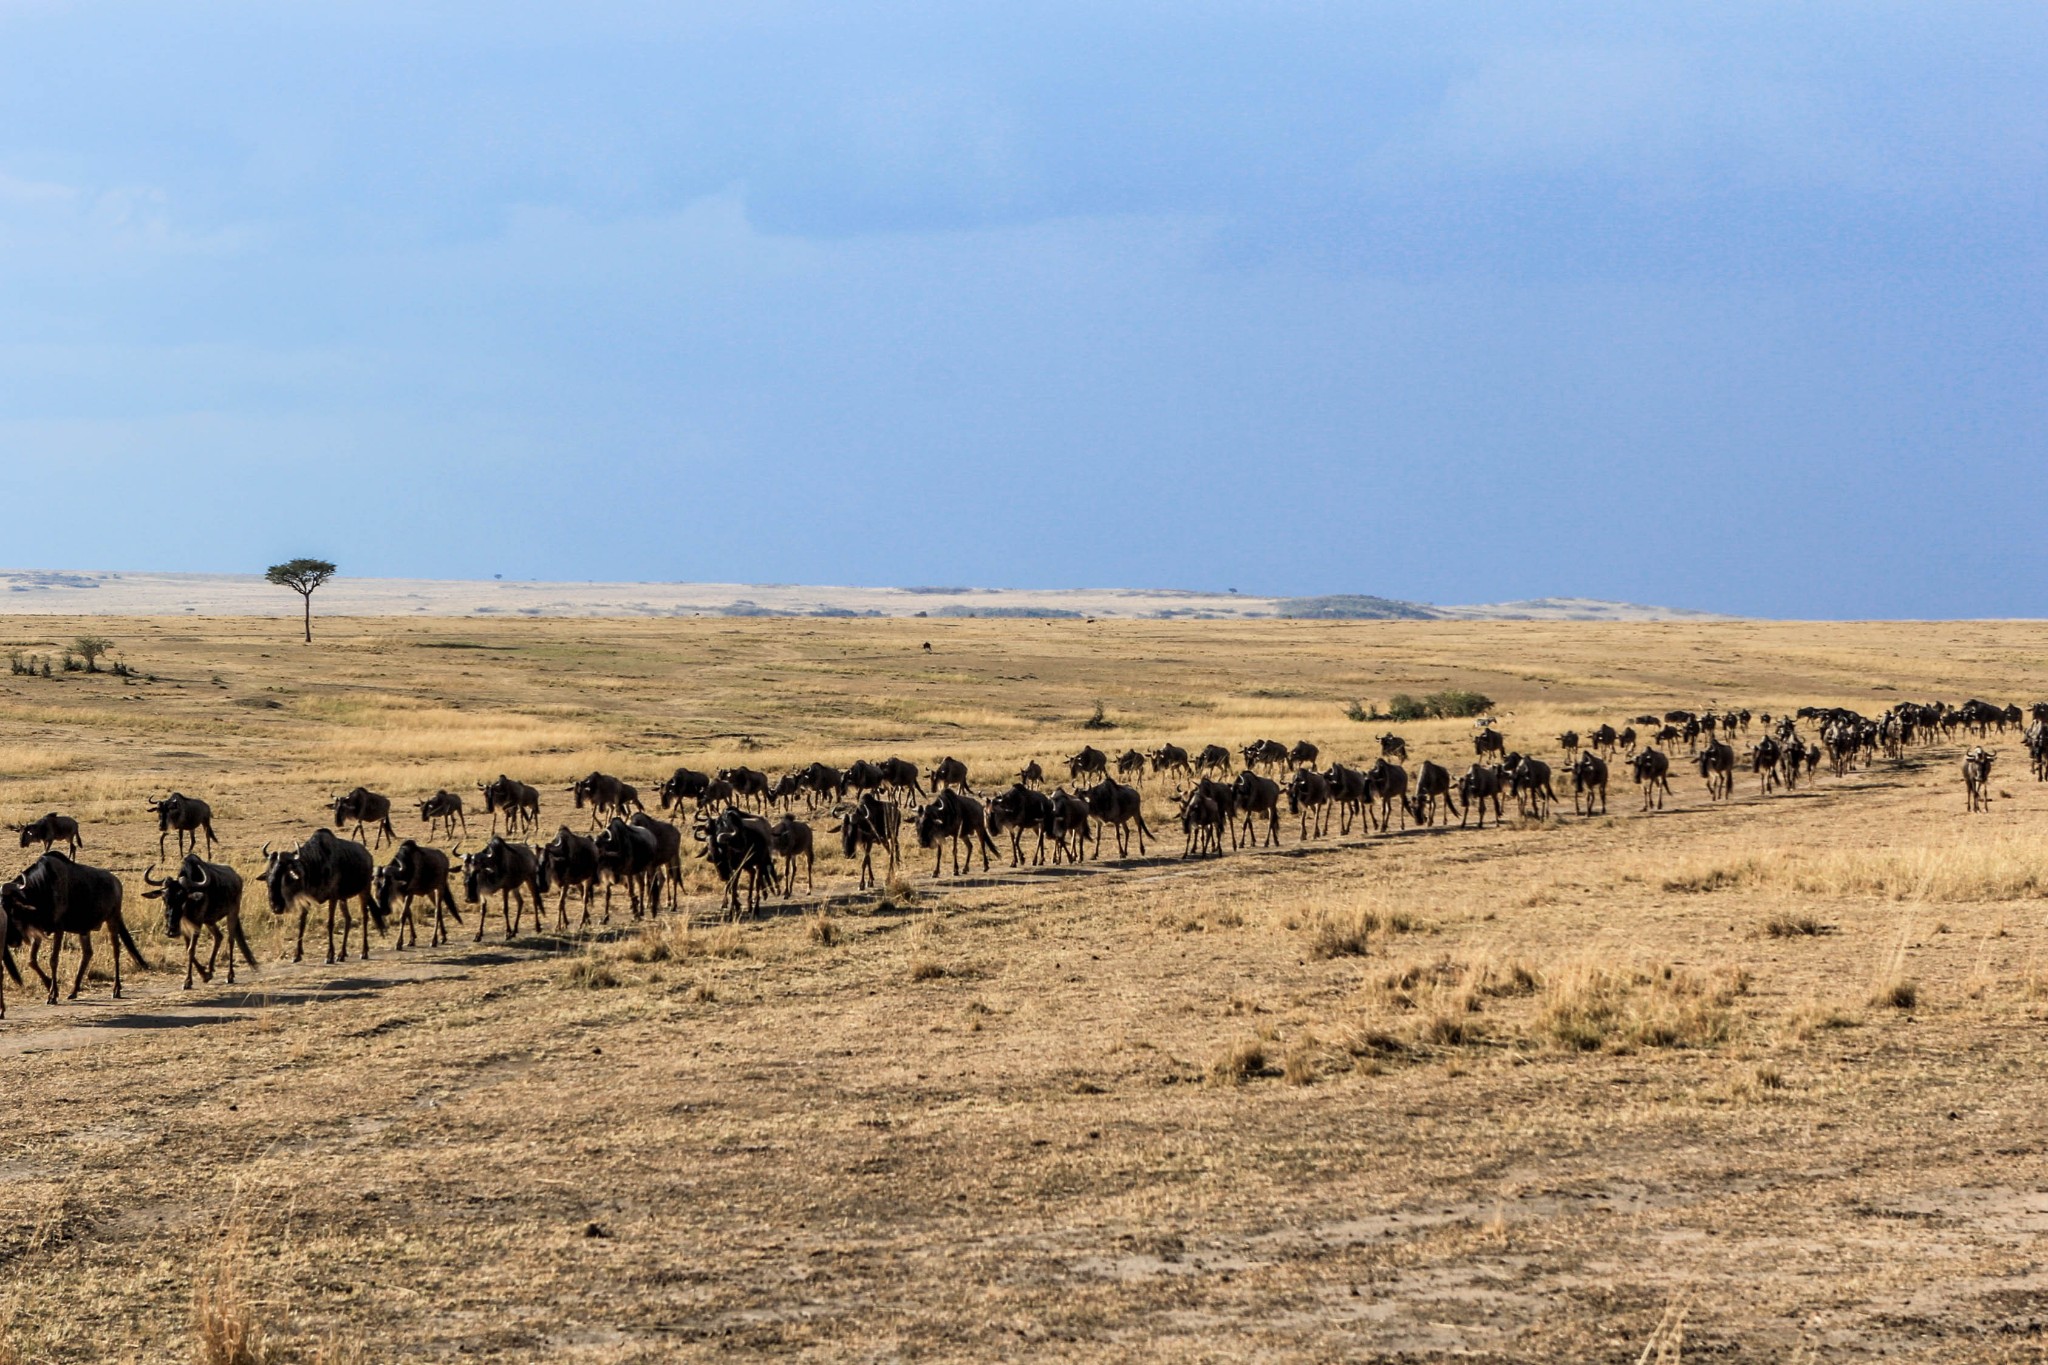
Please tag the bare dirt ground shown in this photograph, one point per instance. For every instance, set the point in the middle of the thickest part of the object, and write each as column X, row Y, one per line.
column 1575, row 1100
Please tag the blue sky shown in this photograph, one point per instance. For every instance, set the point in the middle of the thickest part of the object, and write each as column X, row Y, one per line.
column 1722, row 305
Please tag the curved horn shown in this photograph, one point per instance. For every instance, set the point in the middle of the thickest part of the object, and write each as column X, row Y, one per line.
column 266, row 848
column 204, row 876
column 149, row 880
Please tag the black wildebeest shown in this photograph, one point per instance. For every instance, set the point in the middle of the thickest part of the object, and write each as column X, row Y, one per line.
column 1489, row 741
column 55, row 896
column 949, row 772
column 1015, row 811
column 629, row 855
column 1589, row 779
column 52, row 829
column 791, row 839
column 1652, row 771
column 1090, row 762
column 325, row 870
column 1171, row 758
column 416, row 869
column 1603, row 740
column 1432, row 784
column 1628, row 739
column 864, row 776
column 510, row 872
column 1482, row 782
column 1386, row 786
column 784, row 790
column 569, row 862
column 1263, row 753
column 1258, row 795
column 1717, row 765
column 364, row 807
column 444, row 809
column 717, row 792
column 740, row 848
column 1764, row 757
column 868, row 824
column 1031, row 774
column 1303, row 754
column 1569, row 742
column 1213, row 758
column 517, row 802
column 185, row 816
column 957, row 820
column 683, row 783
column 1976, row 780
column 607, row 796
column 1112, row 803
column 202, row 895
column 1308, row 798
column 1393, row 746
column 1202, row 819
column 1131, row 764
column 824, row 782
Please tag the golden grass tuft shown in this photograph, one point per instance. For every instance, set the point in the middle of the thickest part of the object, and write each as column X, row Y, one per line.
column 1591, row 1006
column 1794, row 926
column 1238, row 1063
column 1899, row 993
column 224, row 1323
column 1341, row 934
column 823, row 930
column 927, row 969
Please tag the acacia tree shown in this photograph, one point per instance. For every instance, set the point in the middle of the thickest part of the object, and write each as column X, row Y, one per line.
column 92, row 648
column 302, row 576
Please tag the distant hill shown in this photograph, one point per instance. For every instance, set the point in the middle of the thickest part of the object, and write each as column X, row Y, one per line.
column 89, row 592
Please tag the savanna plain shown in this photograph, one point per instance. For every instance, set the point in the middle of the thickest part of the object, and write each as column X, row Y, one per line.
column 1757, row 1080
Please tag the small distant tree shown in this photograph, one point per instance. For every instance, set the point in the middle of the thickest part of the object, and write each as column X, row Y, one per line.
column 302, row 576
column 91, row 648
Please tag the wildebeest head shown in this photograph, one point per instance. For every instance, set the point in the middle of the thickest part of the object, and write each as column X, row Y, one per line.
column 282, row 877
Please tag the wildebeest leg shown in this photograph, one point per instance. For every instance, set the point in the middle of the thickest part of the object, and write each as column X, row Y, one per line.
column 191, row 955
column 332, row 907
column 299, row 952
column 84, row 962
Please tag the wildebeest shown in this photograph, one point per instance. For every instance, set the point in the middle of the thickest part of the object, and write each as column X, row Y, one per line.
column 1031, row 774
column 1066, row 824
column 1976, row 780
column 955, row 819
column 629, row 855
column 1202, row 819
column 1393, row 746
column 517, row 802
column 680, row 785
column 1263, row 753
column 416, row 869
column 444, row 809
column 607, row 796
column 1303, row 754
column 55, row 896
column 569, row 862
column 790, row 838
column 900, row 774
column 1112, row 803
column 740, row 848
column 364, row 807
column 1308, row 797
column 1569, row 742
column 1764, row 757
column 202, row 895
column 749, row 785
column 324, row 870
column 668, row 856
column 1489, row 741
column 1347, row 794
column 868, row 824
column 783, row 791
column 1589, row 779
column 864, row 776
column 717, row 792
column 185, row 816
column 1602, row 740
column 1213, row 758
column 1258, row 795
column 1131, row 763
column 1090, row 762
column 1529, row 780
column 949, row 772
column 824, row 782
column 1015, row 811
column 1432, row 784
column 1652, row 771
column 510, row 872
column 1482, row 782
column 1386, row 786
column 1717, row 765
column 52, row 829
column 1171, row 758
column 1628, row 739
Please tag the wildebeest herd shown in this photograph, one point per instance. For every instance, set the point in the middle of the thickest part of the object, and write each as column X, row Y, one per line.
column 1215, row 795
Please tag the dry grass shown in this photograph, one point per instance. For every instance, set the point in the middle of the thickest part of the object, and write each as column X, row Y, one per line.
column 1021, row 1116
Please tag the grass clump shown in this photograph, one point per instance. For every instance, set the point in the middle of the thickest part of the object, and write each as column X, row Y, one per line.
column 1592, row 1007
column 1793, row 926
column 1899, row 993
column 1238, row 1063
column 591, row 972
column 927, row 969
column 1342, row 935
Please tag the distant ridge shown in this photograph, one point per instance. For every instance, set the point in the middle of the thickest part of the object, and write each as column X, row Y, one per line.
column 102, row 593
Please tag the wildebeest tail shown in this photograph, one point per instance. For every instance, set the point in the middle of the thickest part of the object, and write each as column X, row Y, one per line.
column 241, row 940
column 127, row 941
column 7, row 959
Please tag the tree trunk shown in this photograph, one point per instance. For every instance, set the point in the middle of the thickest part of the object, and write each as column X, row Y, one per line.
column 309, row 616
